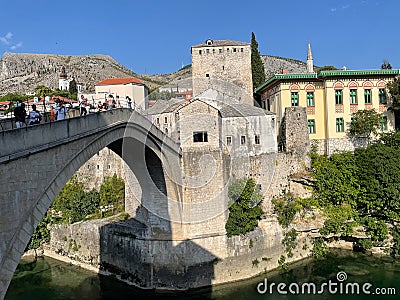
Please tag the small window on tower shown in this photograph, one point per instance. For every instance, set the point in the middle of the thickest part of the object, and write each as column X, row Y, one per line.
column 243, row 140
column 200, row 52
column 228, row 140
column 223, row 68
column 207, row 75
column 220, row 50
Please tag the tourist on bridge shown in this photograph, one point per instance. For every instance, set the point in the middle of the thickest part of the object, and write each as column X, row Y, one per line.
column 61, row 111
column 52, row 113
column 128, row 102
column 34, row 116
column 20, row 115
column 82, row 106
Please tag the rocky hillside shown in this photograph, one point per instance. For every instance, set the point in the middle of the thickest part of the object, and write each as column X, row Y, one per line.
column 21, row 73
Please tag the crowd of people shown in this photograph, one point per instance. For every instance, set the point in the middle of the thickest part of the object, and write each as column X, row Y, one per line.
column 60, row 110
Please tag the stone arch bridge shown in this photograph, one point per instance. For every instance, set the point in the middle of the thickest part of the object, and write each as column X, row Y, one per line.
column 36, row 162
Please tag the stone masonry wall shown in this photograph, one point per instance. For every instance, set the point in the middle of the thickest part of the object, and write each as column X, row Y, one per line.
column 225, row 70
column 125, row 251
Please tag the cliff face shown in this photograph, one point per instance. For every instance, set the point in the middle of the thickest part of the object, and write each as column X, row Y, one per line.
column 21, row 73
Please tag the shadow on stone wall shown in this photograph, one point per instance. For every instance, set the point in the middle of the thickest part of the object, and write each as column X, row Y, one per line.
column 141, row 250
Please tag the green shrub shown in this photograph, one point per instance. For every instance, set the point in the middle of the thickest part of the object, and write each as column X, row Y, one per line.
column 245, row 210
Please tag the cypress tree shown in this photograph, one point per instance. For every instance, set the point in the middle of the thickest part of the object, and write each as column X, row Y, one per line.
column 257, row 66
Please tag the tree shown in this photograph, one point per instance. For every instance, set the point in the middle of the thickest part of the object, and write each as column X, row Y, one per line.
column 42, row 90
column 327, row 68
column 73, row 90
column 394, row 95
column 245, row 211
column 74, row 203
column 365, row 123
column 386, row 65
column 257, row 66
column 112, row 191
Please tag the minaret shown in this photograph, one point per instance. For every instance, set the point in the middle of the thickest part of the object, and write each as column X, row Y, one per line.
column 63, row 83
column 310, row 62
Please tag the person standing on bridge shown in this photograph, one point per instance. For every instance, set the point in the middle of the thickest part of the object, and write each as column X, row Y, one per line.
column 61, row 111
column 34, row 116
column 82, row 106
column 20, row 115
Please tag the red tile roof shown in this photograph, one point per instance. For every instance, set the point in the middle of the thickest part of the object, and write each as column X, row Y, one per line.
column 113, row 81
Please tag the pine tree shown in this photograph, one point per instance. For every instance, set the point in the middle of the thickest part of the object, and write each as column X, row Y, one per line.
column 257, row 66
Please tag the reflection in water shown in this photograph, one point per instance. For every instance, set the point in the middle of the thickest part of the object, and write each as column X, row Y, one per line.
column 50, row 279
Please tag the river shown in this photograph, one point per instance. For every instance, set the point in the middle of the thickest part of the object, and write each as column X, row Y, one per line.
column 47, row 278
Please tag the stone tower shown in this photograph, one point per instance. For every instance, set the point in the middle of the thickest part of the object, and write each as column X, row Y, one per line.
column 63, row 83
column 223, row 65
column 310, row 62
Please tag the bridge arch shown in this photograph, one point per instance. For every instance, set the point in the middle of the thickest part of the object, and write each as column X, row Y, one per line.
column 52, row 153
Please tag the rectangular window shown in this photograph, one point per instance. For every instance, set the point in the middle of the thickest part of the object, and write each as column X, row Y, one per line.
column 207, row 50
column 234, row 49
column 384, row 123
column 243, row 140
column 311, row 126
column 257, row 139
column 310, row 99
column 241, row 49
column 353, row 96
column 208, row 75
column 382, row 96
column 339, row 125
column 220, row 50
column 165, row 120
column 200, row 52
column 295, row 99
column 158, row 120
column 228, row 140
column 367, row 96
column 339, row 97
column 200, row 137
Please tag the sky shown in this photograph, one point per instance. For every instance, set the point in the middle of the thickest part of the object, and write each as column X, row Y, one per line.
column 155, row 36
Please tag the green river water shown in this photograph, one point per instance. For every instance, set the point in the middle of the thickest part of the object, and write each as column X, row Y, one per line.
column 51, row 279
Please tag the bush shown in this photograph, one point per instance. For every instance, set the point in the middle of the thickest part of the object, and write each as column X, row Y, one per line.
column 245, row 210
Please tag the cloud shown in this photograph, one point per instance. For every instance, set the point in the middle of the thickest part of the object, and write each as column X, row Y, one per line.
column 13, row 47
column 346, row 6
column 6, row 39
column 333, row 9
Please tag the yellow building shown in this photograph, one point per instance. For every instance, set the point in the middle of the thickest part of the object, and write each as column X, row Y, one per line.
column 330, row 98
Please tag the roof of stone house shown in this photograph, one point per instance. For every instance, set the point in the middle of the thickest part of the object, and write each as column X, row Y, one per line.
column 242, row 110
column 114, row 81
column 220, row 43
column 164, row 106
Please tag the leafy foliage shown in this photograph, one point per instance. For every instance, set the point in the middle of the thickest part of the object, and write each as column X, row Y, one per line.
column 245, row 210
column 112, row 191
column 257, row 66
column 362, row 189
column 74, row 203
column 289, row 241
column 394, row 91
column 41, row 233
column 365, row 123
column 285, row 208
column 327, row 68
column 386, row 65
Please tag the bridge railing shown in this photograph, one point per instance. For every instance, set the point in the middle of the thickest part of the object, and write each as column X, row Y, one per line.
column 15, row 143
